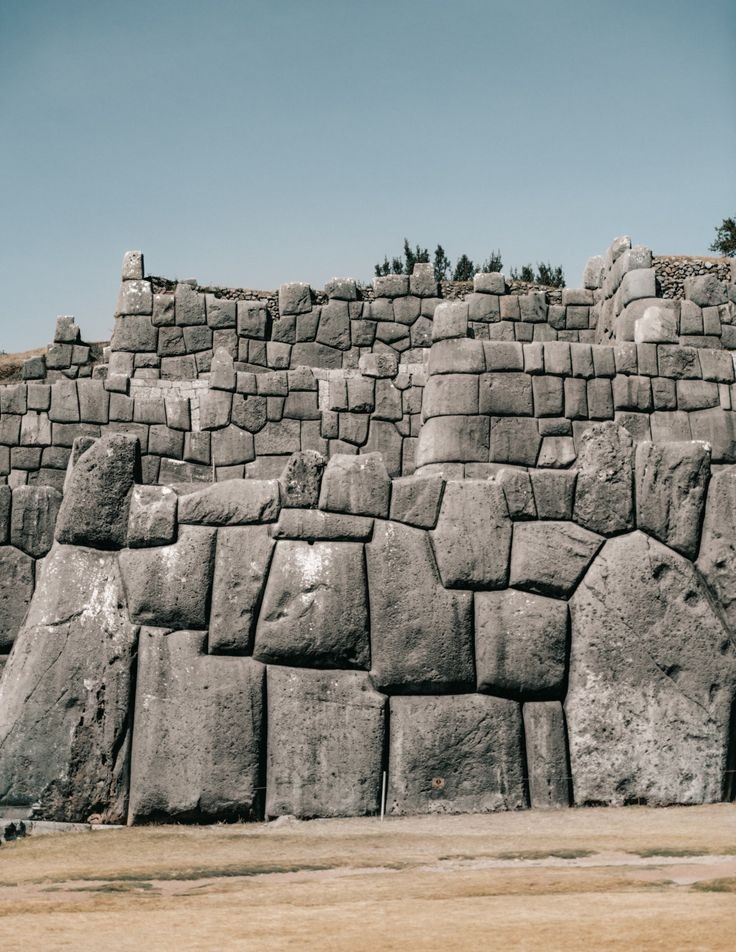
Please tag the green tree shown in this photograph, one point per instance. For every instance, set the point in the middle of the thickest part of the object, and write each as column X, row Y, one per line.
column 441, row 265
column 525, row 273
column 464, row 269
column 382, row 269
column 493, row 262
column 725, row 240
column 417, row 256
column 551, row 276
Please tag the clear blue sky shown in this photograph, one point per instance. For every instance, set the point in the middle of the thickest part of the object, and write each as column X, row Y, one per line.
column 249, row 143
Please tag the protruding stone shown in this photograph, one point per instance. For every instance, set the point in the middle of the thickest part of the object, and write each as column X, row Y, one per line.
column 294, row 298
column 301, row 479
column 356, row 484
column 551, row 557
column 421, row 633
column 197, row 741
column 16, row 589
column 671, row 482
column 325, row 743
column 520, row 644
column 705, row 290
column 235, row 502
column 461, row 754
column 65, row 694
column 132, row 266
column 450, row 320
column 472, row 540
column 315, row 607
column 604, row 499
column 152, row 516
column 649, row 703
column 241, row 565
column 657, row 325
column 222, row 371
column 169, row 586
column 381, row 365
column 67, row 331
column 545, row 740
column 94, row 511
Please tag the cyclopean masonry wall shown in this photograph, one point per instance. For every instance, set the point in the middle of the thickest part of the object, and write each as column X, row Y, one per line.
column 511, row 585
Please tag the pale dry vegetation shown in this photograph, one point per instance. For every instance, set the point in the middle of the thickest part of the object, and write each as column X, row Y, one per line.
column 573, row 880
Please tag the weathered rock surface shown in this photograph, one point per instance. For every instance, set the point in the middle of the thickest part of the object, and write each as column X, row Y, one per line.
column 545, row 740
column 604, row 499
column 16, row 590
column 235, row 502
column 315, row 607
column 301, row 479
column 551, row 557
column 169, row 586
column 671, row 483
column 461, row 754
column 325, row 743
column 34, row 513
column 197, row 740
column 241, row 565
column 473, row 536
column 717, row 558
column 96, row 496
column 520, row 644
column 415, row 500
column 356, row 484
column 421, row 633
column 313, row 524
column 651, row 680
column 65, row 694
column 152, row 516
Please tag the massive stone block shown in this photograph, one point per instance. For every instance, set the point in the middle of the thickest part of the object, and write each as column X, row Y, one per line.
column 356, row 484
column 545, row 740
column 520, row 644
column 651, row 681
column 235, row 502
column 604, row 500
column 315, row 607
column 97, row 494
column 717, row 558
column 461, row 754
column 301, row 479
column 169, row 586
column 16, row 589
column 421, row 633
column 313, row 524
column 65, row 694
column 34, row 513
column 197, row 741
column 472, row 541
column 241, row 565
column 551, row 557
column 671, row 482
column 152, row 516
column 325, row 743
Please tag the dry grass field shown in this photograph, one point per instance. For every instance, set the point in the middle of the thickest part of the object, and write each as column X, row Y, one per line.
column 631, row 879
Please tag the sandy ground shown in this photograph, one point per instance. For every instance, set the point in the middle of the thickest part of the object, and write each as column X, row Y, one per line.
column 633, row 879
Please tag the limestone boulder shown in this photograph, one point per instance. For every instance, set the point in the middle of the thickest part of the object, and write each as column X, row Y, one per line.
column 169, row 586
column 551, row 557
column 671, row 484
column 65, row 695
column 152, row 516
column 545, row 740
column 33, row 519
column 326, row 737
column 717, row 557
column 16, row 590
column 455, row 754
column 604, row 496
column 651, row 681
column 241, row 565
column 197, row 741
column 520, row 644
column 315, row 607
column 421, row 633
column 472, row 540
column 235, row 502
column 356, row 484
column 94, row 511
column 301, row 479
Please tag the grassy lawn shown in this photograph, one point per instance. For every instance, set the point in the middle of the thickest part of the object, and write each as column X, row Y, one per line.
column 574, row 880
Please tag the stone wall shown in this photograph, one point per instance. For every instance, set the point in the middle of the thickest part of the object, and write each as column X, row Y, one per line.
column 489, row 644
